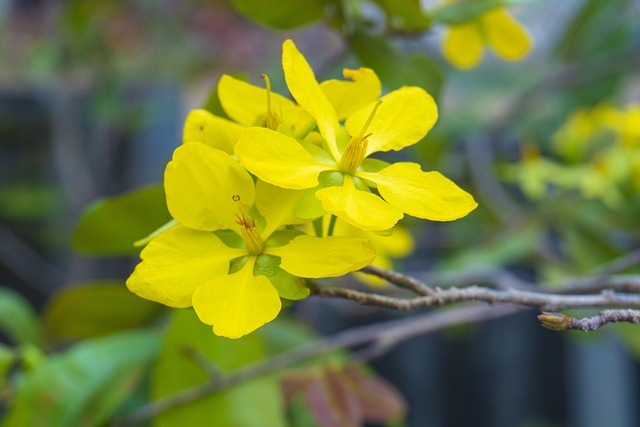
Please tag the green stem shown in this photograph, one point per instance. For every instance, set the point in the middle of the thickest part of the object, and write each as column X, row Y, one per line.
column 332, row 224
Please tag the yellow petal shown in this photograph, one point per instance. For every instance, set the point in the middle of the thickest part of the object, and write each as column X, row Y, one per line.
column 315, row 257
column 276, row 205
column 206, row 187
column 398, row 244
column 463, row 45
column 305, row 89
column 348, row 96
column 247, row 104
column 202, row 126
column 427, row 195
column 237, row 304
column 278, row 159
column 176, row 262
column 505, row 35
column 404, row 118
column 359, row 208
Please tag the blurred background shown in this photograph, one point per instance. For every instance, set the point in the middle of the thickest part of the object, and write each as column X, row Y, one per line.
column 93, row 96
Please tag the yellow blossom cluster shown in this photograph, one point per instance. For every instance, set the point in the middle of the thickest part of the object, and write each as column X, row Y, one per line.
column 239, row 188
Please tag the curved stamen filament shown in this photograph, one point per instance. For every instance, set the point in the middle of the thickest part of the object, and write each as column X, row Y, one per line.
column 270, row 119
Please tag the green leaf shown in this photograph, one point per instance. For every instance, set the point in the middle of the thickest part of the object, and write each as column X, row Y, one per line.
column 110, row 225
column 590, row 33
column 255, row 403
column 300, row 414
column 287, row 285
column 18, row 320
column 84, row 385
column 94, row 309
column 397, row 69
column 405, row 14
column 285, row 333
column 7, row 357
column 467, row 10
column 26, row 202
column 281, row 14
column 503, row 249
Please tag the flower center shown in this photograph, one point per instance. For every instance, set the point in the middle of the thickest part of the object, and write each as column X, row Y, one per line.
column 249, row 233
column 271, row 120
column 356, row 150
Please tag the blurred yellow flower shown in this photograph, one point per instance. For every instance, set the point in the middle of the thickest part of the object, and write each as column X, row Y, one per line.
column 464, row 43
column 397, row 245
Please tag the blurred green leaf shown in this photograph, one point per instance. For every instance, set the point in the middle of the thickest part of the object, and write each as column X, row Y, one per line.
column 397, row 69
column 282, row 15
column 7, row 357
column 29, row 202
column 408, row 13
column 300, row 414
column 285, row 333
column 18, row 320
column 110, row 225
column 591, row 33
column 254, row 403
column 83, row 385
column 94, row 309
column 505, row 248
column 467, row 10
column 586, row 248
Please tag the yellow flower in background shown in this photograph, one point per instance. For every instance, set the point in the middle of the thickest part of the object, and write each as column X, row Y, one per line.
column 228, row 256
column 600, row 149
column 400, row 244
column 464, row 43
column 338, row 175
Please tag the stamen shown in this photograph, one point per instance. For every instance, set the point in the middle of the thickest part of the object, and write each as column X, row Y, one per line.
column 356, row 150
column 249, row 233
column 270, row 119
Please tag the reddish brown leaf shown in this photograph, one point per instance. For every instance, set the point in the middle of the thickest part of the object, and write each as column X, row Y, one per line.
column 379, row 400
column 329, row 409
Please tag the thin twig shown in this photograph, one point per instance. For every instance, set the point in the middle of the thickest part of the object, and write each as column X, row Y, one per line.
column 204, row 363
column 563, row 322
column 627, row 283
column 544, row 301
column 393, row 332
column 398, row 279
column 619, row 264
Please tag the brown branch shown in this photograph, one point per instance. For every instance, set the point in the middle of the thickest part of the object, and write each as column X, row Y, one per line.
column 504, row 280
column 398, row 279
column 378, row 336
column 563, row 322
column 545, row 301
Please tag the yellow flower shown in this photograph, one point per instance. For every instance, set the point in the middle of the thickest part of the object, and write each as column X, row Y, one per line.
column 246, row 105
column 227, row 255
column 399, row 244
column 464, row 43
column 339, row 175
